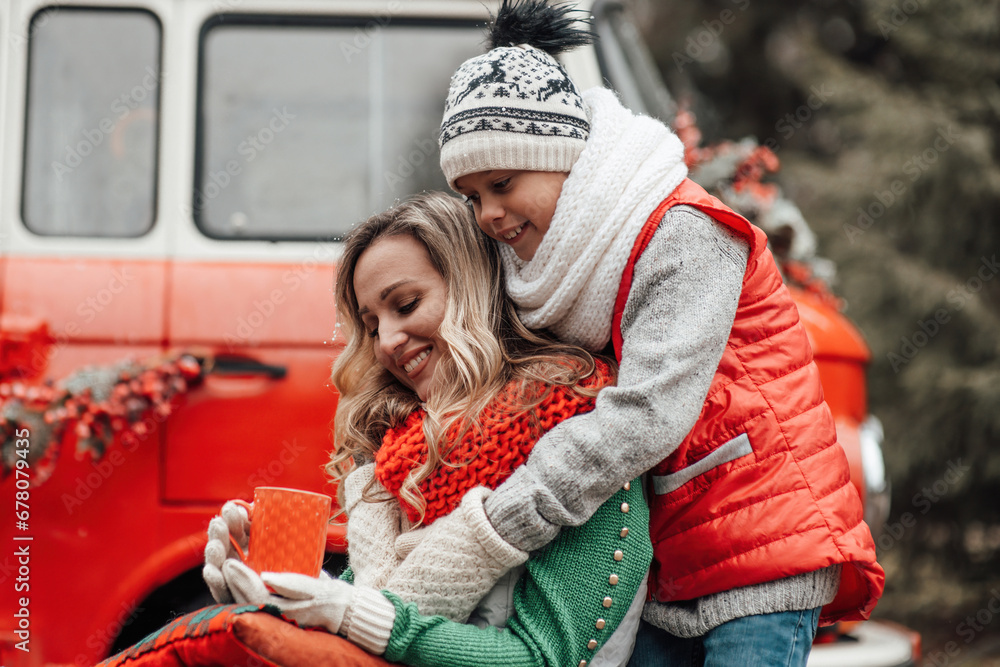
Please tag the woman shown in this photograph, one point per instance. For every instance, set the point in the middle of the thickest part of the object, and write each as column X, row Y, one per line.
column 443, row 394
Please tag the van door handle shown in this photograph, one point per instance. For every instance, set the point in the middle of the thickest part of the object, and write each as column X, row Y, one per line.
column 246, row 366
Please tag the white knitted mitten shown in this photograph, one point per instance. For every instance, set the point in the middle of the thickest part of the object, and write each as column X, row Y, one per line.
column 244, row 584
column 360, row 613
column 456, row 563
column 372, row 529
column 310, row 601
column 233, row 521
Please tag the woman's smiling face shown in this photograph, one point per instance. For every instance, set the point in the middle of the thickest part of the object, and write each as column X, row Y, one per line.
column 402, row 300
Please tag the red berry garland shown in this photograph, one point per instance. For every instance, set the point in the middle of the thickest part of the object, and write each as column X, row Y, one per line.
column 740, row 168
column 93, row 406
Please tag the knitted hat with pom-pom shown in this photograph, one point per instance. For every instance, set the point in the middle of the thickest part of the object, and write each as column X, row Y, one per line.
column 515, row 107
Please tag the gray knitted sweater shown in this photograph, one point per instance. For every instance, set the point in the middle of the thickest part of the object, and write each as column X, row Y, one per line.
column 676, row 322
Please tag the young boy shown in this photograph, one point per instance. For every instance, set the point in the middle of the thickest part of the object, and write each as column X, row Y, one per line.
column 758, row 533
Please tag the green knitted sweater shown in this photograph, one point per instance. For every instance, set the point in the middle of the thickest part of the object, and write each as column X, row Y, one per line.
column 558, row 602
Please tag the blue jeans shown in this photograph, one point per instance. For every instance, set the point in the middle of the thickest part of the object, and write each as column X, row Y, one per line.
column 768, row 640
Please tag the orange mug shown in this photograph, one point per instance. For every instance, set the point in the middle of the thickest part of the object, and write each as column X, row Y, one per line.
column 287, row 530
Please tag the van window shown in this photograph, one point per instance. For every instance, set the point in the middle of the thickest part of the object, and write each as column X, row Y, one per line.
column 92, row 122
column 305, row 128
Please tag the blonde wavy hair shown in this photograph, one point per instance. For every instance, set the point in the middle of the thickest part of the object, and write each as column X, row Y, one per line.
column 487, row 346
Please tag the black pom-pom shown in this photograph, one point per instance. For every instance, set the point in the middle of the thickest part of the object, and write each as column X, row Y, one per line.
column 550, row 28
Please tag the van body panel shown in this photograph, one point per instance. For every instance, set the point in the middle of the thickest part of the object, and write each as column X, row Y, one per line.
column 259, row 430
column 249, row 305
column 118, row 302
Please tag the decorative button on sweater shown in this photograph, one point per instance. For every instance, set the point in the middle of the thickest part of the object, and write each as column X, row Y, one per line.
column 558, row 602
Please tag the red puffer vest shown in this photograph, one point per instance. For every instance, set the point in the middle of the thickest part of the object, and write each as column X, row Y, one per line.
column 759, row 489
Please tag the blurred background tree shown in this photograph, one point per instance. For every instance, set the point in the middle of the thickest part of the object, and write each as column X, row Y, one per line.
column 885, row 116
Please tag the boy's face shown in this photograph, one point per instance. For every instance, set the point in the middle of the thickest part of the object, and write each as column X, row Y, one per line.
column 514, row 206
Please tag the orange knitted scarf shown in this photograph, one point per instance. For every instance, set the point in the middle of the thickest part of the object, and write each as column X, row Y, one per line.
column 487, row 454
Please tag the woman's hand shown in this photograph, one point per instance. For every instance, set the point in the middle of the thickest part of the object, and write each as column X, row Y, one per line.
column 311, row 601
column 360, row 613
column 233, row 521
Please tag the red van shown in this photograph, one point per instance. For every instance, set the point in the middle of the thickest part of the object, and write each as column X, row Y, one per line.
column 174, row 179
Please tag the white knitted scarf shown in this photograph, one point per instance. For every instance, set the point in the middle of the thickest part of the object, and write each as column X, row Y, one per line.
column 631, row 163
